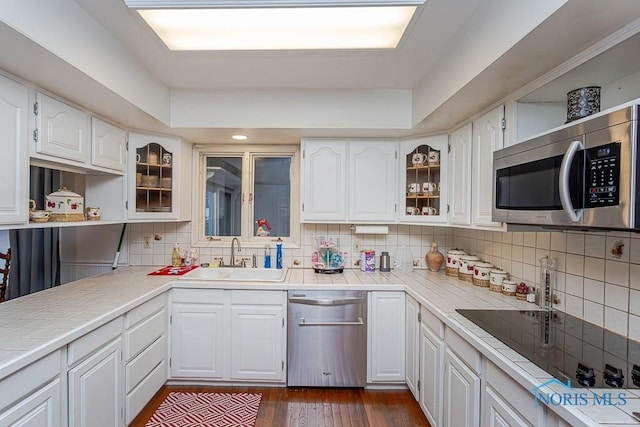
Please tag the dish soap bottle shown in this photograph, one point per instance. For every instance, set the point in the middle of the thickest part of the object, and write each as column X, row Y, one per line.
column 267, row 256
column 279, row 253
column 176, row 257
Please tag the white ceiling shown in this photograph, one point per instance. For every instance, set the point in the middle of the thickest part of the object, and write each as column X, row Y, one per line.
column 440, row 30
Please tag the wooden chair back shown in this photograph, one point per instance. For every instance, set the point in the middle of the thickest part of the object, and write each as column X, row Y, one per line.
column 5, row 273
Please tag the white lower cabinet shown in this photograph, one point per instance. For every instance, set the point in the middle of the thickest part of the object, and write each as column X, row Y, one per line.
column 228, row 335
column 498, row 413
column 95, row 388
column 461, row 382
column 386, row 337
column 144, row 355
column 198, row 334
column 32, row 396
column 257, row 335
column 412, row 339
column 431, row 367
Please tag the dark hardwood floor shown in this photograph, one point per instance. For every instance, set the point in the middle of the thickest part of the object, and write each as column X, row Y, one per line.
column 309, row 407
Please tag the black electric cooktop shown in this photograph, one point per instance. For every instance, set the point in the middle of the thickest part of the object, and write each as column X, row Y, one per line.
column 564, row 346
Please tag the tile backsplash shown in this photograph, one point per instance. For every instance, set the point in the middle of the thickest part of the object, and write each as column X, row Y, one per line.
column 598, row 274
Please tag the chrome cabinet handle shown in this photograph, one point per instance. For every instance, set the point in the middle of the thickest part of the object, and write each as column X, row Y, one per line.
column 565, row 196
column 304, row 322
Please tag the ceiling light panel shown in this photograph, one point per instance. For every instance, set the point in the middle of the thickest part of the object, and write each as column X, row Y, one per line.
column 228, row 4
column 280, row 28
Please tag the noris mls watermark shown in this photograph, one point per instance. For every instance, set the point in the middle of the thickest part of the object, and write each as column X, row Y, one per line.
column 576, row 397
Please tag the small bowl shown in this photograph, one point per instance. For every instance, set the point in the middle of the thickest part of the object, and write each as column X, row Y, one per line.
column 39, row 216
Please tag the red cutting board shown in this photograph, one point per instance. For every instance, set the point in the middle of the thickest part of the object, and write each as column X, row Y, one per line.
column 172, row 271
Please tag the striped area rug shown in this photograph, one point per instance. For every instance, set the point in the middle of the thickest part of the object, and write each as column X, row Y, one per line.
column 207, row 410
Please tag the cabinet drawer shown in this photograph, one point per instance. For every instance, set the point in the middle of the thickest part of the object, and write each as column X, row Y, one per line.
column 463, row 350
column 142, row 365
column 512, row 392
column 95, row 339
column 142, row 394
column 143, row 311
column 432, row 322
column 257, row 297
column 26, row 380
column 143, row 334
column 198, row 296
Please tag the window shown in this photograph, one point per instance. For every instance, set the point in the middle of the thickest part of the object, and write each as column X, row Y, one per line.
column 251, row 195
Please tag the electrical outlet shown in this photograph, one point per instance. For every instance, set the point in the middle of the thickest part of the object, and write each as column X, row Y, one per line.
column 356, row 247
column 146, row 242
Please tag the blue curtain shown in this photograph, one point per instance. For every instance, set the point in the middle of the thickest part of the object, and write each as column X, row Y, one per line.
column 35, row 257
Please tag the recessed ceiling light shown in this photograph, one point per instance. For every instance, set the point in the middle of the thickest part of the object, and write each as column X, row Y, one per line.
column 239, row 137
column 202, row 25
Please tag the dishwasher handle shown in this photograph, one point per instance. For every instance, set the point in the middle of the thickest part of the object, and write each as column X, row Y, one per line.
column 358, row 321
column 327, row 302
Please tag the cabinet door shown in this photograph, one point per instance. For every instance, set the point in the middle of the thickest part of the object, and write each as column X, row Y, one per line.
column 423, row 179
column 197, row 341
column 256, row 343
column 488, row 136
column 431, row 370
column 324, row 174
column 107, row 145
column 386, row 333
column 461, row 393
column 156, row 189
column 497, row 413
column 14, row 166
column 412, row 353
column 372, row 180
column 61, row 131
column 40, row 409
column 460, row 176
column 95, row 389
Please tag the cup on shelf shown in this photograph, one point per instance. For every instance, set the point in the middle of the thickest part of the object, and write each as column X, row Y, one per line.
column 433, row 157
column 429, row 210
column 39, row 215
column 138, row 158
column 418, row 159
column 166, row 159
column 429, row 188
column 411, row 210
column 413, row 188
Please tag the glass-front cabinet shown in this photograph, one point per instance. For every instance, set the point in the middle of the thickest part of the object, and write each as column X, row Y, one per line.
column 423, row 176
column 155, row 178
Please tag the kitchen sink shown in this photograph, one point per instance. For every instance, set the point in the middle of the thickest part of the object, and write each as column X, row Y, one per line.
column 236, row 274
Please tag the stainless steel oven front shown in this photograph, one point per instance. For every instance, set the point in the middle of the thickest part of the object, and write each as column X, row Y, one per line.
column 581, row 176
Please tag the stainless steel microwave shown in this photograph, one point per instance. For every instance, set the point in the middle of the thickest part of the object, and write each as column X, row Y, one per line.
column 582, row 176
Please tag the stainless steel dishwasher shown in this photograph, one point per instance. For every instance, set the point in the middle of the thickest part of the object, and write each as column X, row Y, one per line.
column 327, row 338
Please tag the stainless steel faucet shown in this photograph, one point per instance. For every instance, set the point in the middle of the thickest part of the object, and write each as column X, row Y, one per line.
column 233, row 254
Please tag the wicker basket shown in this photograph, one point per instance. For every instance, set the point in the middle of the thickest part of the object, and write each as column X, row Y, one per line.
column 521, row 297
column 465, row 277
column 66, row 217
column 495, row 288
column 478, row 282
column 450, row 271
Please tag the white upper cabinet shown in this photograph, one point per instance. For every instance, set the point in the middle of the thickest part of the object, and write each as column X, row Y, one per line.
column 14, row 166
column 324, row 174
column 348, row 180
column 460, row 175
column 60, row 131
column 372, row 180
column 108, row 145
column 488, row 136
column 423, row 179
column 159, row 177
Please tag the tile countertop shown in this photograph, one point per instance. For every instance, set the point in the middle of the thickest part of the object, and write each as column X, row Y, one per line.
column 37, row 324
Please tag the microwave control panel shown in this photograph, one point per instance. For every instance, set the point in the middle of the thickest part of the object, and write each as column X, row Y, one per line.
column 603, row 176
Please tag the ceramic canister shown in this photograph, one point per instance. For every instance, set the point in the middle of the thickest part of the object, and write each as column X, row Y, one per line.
column 465, row 272
column 481, row 271
column 496, row 276
column 453, row 261
column 509, row 287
